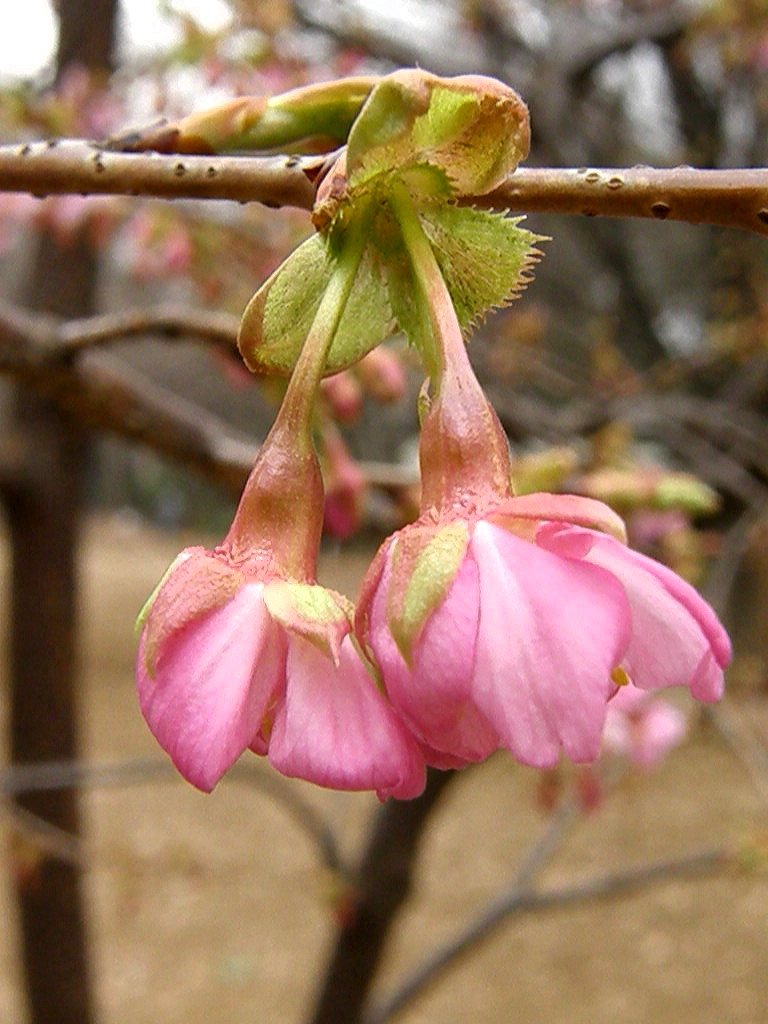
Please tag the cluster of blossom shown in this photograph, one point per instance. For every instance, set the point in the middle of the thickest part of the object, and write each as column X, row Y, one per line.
column 491, row 621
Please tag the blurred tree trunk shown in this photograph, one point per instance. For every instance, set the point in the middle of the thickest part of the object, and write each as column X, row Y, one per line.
column 384, row 881
column 44, row 510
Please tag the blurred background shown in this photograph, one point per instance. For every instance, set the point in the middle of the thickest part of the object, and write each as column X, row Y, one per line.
column 634, row 368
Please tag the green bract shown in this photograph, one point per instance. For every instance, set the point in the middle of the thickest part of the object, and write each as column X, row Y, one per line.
column 425, row 563
column 276, row 320
column 472, row 128
column 441, row 140
column 319, row 615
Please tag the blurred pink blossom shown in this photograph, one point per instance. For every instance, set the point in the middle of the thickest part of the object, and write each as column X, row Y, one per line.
column 642, row 727
column 343, row 394
column 345, row 487
column 381, row 373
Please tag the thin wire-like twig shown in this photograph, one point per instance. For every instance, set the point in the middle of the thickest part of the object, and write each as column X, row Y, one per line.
column 44, row 837
column 171, row 322
column 53, row 775
column 519, row 900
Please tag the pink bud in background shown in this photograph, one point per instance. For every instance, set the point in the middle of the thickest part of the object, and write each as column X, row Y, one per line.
column 382, row 375
column 345, row 487
column 344, row 395
column 642, row 727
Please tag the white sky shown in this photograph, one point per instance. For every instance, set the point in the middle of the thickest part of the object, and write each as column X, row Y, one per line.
column 27, row 37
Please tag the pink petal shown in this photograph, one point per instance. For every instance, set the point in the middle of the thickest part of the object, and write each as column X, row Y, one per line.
column 551, row 631
column 677, row 638
column 569, row 509
column 335, row 728
column 213, row 680
column 660, row 728
column 643, row 727
column 433, row 696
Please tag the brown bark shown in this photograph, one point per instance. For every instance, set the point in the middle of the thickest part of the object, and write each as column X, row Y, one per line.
column 384, row 882
column 44, row 518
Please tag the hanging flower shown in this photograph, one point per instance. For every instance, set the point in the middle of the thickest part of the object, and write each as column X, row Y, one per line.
column 241, row 648
column 514, row 629
column 502, row 621
column 230, row 661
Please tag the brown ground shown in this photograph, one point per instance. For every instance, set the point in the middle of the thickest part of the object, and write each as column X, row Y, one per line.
column 212, row 909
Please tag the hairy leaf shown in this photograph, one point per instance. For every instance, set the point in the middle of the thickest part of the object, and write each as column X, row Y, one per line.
column 278, row 317
column 484, row 257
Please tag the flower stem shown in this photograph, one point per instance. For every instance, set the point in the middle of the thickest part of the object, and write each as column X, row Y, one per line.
column 463, row 449
column 282, row 504
column 295, row 411
column 448, row 343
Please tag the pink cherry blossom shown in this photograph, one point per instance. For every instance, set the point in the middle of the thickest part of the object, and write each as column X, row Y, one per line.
column 536, row 624
column 346, row 487
column 219, row 672
column 642, row 727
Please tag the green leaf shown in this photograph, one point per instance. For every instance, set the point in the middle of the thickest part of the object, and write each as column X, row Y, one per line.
column 485, row 257
column 472, row 128
column 277, row 319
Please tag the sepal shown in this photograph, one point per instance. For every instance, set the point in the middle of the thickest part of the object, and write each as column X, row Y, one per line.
column 277, row 320
column 425, row 561
column 319, row 615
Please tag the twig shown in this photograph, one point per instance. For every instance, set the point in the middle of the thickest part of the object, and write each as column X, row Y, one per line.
column 438, row 962
column 748, row 750
column 171, row 322
column 75, row 165
column 730, row 198
column 54, row 775
column 521, row 901
column 383, row 882
column 103, row 393
column 46, row 838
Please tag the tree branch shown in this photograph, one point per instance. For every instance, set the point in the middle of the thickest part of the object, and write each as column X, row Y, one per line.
column 524, row 900
column 170, row 322
column 729, row 198
column 54, row 359
column 101, row 392
column 75, row 165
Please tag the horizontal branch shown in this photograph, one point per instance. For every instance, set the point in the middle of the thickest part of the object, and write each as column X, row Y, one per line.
column 730, row 198
column 56, row 359
column 101, row 392
column 54, row 775
column 78, row 166
column 171, row 322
